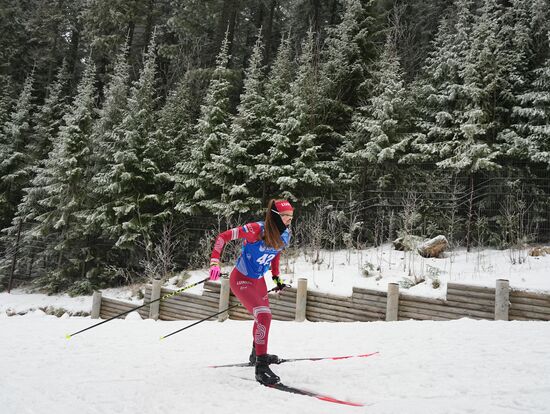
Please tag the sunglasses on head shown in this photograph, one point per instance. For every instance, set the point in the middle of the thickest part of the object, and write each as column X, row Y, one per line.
column 283, row 214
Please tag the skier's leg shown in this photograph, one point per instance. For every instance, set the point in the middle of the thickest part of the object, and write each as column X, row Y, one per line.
column 252, row 293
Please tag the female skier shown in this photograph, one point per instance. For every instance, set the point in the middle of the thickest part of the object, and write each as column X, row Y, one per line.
column 262, row 245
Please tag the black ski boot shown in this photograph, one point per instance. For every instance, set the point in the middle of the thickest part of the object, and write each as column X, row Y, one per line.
column 271, row 359
column 264, row 375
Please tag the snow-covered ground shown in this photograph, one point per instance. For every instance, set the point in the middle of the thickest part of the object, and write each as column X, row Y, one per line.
column 463, row 366
column 338, row 272
column 341, row 270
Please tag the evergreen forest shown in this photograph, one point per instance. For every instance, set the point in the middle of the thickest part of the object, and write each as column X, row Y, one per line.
column 132, row 132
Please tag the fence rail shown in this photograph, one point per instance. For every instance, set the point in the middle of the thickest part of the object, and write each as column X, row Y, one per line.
column 476, row 302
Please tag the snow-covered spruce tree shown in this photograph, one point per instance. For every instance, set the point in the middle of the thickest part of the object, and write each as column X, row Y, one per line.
column 200, row 181
column 108, row 138
column 529, row 137
column 47, row 120
column 137, row 192
column 49, row 117
column 440, row 100
column 247, row 144
column 14, row 158
column 381, row 129
column 341, row 75
column 6, row 101
column 488, row 92
column 517, row 142
column 114, row 109
column 176, row 127
column 61, row 190
column 277, row 94
column 539, row 12
column 308, row 172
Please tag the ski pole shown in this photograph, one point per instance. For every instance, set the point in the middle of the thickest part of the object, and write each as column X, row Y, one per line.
column 208, row 317
column 202, row 320
column 139, row 307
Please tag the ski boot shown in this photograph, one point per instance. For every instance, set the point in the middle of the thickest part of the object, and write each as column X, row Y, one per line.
column 264, row 375
column 271, row 359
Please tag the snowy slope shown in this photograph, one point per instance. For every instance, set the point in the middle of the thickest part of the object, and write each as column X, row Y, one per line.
column 340, row 271
column 462, row 366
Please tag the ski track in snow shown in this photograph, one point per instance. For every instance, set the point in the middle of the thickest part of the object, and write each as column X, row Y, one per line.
column 463, row 366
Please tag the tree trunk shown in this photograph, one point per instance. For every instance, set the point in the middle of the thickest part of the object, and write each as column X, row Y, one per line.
column 14, row 260
column 268, row 33
column 73, row 56
column 470, row 215
column 333, row 13
column 149, row 23
column 316, row 16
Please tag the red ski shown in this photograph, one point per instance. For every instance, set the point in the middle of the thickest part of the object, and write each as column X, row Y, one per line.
column 323, row 397
column 282, row 361
column 301, row 391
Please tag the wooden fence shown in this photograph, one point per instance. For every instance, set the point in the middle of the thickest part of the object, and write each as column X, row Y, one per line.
column 477, row 302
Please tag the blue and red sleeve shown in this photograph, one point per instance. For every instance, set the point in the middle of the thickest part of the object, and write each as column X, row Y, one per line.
column 275, row 265
column 251, row 232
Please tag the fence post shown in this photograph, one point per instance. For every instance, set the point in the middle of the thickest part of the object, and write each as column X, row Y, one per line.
column 301, row 300
column 502, row 300
column 224, row 300
column 392, row 303
column 154, row 308
column 96, row 305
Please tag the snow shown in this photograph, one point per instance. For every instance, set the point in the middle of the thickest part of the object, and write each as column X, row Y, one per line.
column 463, row 366
column 339, row 271
column 20, row 301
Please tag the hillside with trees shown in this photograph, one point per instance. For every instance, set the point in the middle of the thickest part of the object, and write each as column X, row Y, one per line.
column 130, row 132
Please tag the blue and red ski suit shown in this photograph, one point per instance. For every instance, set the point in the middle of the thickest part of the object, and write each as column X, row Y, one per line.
column 247, row 278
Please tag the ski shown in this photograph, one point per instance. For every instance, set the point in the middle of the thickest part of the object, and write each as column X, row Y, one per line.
column 322, row 397
column 282, row 361
column 301, row 391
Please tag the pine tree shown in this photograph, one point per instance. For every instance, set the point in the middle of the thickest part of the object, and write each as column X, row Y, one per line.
column 493, row 76
column 60, row 189
column 200, row 184
column 108, row 138
column 307, row 172
column 114, row 109
column 343, row 61
column 48, row 120
column 49, row 117
column 514, row 141
column 539, row 13
column 277, row 94
column 381, row 129
column 440, row 93
column 175, row 127
column 135, row 189
column 14, row 159
column 247, row 144
column 6, row 101
column 341, row 75
column 529, row 137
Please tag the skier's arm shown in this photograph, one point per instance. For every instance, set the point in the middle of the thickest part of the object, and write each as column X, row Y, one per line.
column 250, row 232
column 275, row 265
column 280, row 285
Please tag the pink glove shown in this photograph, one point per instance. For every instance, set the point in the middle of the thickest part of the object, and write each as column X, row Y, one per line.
column 215, row 272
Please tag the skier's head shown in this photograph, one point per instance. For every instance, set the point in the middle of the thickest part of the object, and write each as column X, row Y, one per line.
column 277, row 219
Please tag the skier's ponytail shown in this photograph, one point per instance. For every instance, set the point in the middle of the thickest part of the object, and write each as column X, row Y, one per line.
column 272, row 235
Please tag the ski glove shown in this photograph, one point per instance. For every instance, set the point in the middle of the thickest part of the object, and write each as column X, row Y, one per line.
column 214, row 271
column 279, row 284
